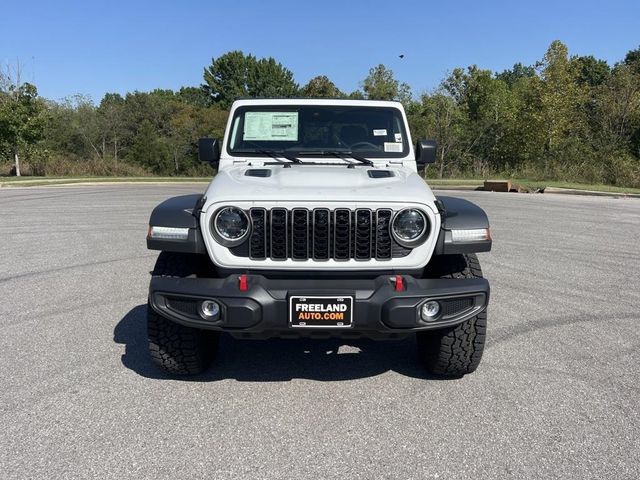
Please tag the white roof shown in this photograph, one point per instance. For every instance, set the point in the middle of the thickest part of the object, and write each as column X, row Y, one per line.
column 316, row 101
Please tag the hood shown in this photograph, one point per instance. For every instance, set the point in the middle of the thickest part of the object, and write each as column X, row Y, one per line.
column 313, row 183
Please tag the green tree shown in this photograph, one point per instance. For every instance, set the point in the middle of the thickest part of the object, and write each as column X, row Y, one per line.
column 111, row 116
column 439, row 117
column 157, row 107
column 356, row 95
column 187, row 125
column 235, row 75
column 380, row 84
column 560, row 115
column 22, row 117
column 632, row 59
column 86, row 124
column 488, row 110
column 617, row 113
column 227, row 78
column 195, row 96
column 149, row 150
column 518, row 71
column 268, row 78
column 590, row 70
column 59, row 134
column 321, row 87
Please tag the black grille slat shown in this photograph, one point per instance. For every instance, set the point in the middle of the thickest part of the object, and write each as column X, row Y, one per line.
column 383, row 237
column 279, row 217
column 342, row 234
column 321, row 234
column 363, row 225
column 258, row 240
column 299, row 234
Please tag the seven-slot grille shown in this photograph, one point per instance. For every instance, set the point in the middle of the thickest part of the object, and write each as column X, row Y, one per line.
column 322, row 234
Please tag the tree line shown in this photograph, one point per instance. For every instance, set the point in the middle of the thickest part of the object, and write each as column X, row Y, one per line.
column 567, row 117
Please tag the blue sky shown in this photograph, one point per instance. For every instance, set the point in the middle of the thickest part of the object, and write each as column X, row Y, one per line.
column 94, row 47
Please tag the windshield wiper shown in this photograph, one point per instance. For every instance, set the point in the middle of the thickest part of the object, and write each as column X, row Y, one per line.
column 273, row 154
column 347, row 153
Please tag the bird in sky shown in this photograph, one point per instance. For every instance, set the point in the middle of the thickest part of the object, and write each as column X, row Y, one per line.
column 401, row 55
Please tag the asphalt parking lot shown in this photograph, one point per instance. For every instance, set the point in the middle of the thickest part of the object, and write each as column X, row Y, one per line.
column 556, row 395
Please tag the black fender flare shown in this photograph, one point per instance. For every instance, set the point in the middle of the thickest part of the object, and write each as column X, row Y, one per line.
column 178, row 212
column 460, row 214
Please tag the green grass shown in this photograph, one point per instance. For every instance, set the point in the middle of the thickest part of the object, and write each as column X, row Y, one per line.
column 435, row 182
column 455, row 181
column 533, row 184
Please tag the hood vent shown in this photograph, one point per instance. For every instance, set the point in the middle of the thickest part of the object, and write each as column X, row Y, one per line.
column 380, row 173
column 258, row 172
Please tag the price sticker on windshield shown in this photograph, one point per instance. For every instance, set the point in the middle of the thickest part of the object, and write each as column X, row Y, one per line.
column 271, row 126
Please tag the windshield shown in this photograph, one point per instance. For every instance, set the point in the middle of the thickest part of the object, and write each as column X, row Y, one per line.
column 375, row 132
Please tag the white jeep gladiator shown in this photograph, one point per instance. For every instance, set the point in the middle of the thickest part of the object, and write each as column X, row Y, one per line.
column 317, row 225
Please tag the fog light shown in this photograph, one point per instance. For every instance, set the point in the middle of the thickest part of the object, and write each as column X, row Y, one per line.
column 429, row 310
column 209, row 310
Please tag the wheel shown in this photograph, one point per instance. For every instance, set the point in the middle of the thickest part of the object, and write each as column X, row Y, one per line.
column 454, row 351
column 175, row 348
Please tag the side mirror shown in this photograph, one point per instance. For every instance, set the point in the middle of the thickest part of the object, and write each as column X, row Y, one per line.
column 425, row 153
column 209, row 151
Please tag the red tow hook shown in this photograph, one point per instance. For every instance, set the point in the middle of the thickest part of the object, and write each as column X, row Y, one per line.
column 242, row 282
column 399, row 283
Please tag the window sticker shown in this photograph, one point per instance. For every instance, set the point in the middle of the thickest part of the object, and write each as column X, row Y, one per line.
column 398, row 137
column 380, row 132
column 274, row 126
column 392, row 147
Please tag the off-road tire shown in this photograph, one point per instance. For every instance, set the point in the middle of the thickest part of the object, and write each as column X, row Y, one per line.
column 175, row 348
column 455, row 351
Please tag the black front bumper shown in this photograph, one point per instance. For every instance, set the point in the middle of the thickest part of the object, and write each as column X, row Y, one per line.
column 262, row 311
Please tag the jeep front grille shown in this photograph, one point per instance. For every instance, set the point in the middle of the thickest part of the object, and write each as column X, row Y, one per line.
column 321, row 234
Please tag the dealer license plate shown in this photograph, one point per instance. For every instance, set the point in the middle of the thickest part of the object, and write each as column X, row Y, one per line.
column 320, row 311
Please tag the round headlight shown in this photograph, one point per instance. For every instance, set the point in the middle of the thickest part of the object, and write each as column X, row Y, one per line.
column 230, row 225
column 409, row 226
